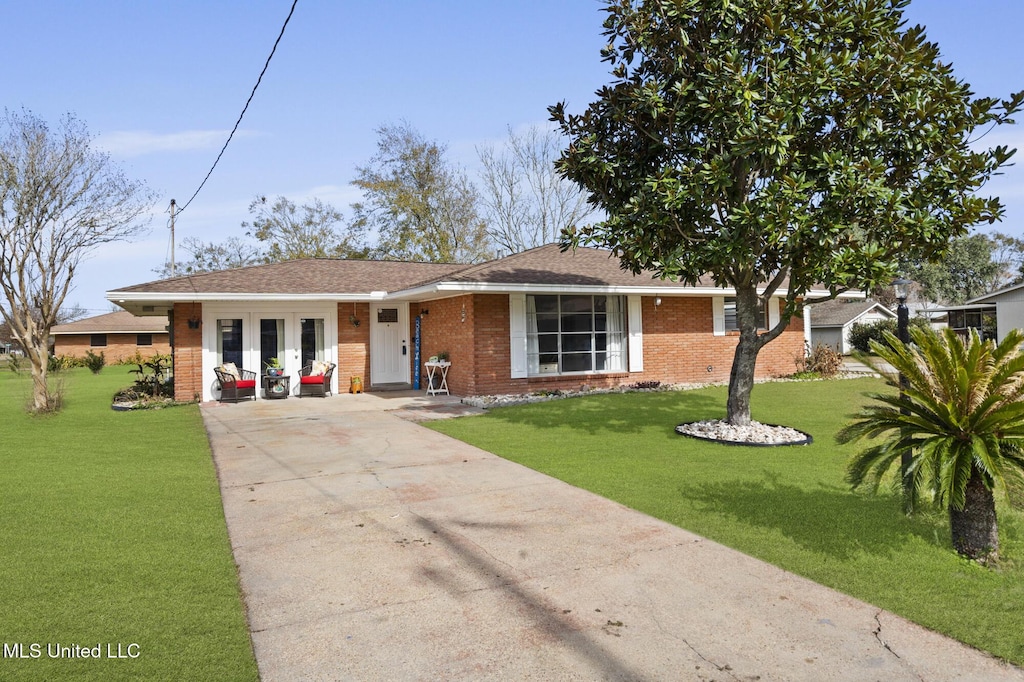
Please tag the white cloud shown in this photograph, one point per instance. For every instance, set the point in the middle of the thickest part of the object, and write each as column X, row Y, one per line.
column 129, row 143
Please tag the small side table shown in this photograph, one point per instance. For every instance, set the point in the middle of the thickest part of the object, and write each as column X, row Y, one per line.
column 277, row 387
column 432, row 368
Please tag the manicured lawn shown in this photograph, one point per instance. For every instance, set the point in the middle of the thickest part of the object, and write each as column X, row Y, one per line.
column 787, row 506
column 113, row 534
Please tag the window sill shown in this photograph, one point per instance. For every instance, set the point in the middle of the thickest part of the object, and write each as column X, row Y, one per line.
column 579, row 375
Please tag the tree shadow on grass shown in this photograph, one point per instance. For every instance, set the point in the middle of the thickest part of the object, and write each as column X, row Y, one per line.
column 828, row 520
column 617, row 412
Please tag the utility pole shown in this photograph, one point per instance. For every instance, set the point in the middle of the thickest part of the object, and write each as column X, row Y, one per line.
column 172, row 237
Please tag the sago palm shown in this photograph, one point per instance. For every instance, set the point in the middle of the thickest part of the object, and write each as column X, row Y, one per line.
column 962, row 418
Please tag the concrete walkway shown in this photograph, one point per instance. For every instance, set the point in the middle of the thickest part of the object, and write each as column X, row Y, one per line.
column 371, row 548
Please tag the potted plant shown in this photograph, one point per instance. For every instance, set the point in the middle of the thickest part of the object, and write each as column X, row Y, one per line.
column 274, row 368
column 442, row 356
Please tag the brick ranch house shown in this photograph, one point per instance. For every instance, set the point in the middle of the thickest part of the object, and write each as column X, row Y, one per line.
column 118, row 335
column 540, row 319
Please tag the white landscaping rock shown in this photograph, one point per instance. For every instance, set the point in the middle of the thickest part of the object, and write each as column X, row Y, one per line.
column 754, row 433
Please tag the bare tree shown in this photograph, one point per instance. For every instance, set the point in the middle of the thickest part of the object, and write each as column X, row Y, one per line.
column 528, row 203
column 60, row 200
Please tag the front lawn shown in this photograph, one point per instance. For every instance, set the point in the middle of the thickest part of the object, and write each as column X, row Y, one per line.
column 113, row 535
column 788, row 506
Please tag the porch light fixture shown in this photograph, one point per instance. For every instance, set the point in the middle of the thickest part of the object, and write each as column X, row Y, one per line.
column 902, row 289
column 657, row 301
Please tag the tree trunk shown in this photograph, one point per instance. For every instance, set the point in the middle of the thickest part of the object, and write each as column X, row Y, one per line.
column 974, row 528
column 40, row 389
column 744, row 361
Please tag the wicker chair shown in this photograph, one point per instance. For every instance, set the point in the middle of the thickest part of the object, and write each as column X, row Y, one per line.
column 233, row 388
column 316, row 384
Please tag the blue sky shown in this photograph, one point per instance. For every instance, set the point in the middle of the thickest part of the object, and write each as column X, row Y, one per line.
column 161, row 83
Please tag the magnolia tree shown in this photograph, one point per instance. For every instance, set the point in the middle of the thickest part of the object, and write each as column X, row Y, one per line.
column 59, row 201
column 777, row 145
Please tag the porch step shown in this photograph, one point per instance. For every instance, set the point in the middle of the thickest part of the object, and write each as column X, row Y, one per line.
column 391, row 387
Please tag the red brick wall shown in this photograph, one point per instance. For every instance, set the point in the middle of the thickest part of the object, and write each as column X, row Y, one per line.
column 679, row 346
column 445, row 329
column 353, row 345
column 188, row 353
column 119, row 346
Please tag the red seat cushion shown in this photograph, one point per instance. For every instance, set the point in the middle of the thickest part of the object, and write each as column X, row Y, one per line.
column 315, row 379
column 246, row 383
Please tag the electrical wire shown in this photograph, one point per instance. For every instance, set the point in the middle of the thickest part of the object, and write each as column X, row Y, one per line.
column 245, row 108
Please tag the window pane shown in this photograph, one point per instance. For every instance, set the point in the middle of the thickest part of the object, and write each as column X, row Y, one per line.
column 576, row 362
column 312, row 341
column 600, row 362
column 547, row 322
column 271, row 341
column 144, row 340
column 577, row 323
column 547, row 343
column 576, row 343
column 577, row 304
column 229, row 341
column 546, row 304
column 730, row 313
column 98, row 340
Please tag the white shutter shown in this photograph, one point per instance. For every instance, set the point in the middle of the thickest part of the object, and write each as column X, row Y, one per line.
column 517, row 334
column 773, row 312
column 718, row 315
column 636, row 334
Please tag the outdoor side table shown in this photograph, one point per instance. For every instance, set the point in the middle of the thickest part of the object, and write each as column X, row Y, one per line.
column 277, row 387
column 432, row 369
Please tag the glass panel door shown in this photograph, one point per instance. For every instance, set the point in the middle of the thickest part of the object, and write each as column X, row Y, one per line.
column 311, row 339
column 229, row 342
column 271, row 342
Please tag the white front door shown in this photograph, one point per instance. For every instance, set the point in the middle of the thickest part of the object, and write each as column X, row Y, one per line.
column 389, row 343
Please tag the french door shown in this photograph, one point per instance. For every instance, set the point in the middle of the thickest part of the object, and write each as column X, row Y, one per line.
column 295, row 339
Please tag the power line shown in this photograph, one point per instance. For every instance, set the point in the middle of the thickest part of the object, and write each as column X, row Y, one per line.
column 246, row 107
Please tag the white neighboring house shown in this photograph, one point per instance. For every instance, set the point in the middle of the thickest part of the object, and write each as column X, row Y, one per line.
column 831, row 321
column 998, row 312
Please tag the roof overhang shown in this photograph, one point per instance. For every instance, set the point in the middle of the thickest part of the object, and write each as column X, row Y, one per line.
column 965, row 306
column 145, row 304
column 444, row 289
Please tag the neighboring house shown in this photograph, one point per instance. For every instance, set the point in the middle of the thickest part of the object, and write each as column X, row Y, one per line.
column 993, row 314
column 541, row 319
column 119, row 336
column 831, row 321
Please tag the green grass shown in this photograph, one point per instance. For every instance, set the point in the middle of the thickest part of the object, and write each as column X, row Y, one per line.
column 113, row 533
column 788, row 506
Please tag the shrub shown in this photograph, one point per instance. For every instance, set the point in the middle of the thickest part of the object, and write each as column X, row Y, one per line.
column 59, row 363
column 823, row 361
column 862, row 333
column 154, row 376
column 95, row 362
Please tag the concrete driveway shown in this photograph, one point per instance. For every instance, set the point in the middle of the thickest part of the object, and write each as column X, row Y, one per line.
column 370, row 548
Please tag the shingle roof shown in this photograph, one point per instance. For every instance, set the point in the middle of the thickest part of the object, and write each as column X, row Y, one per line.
column 118, row 322
column 310, row 276
column 549, row 265
column 838, row 312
